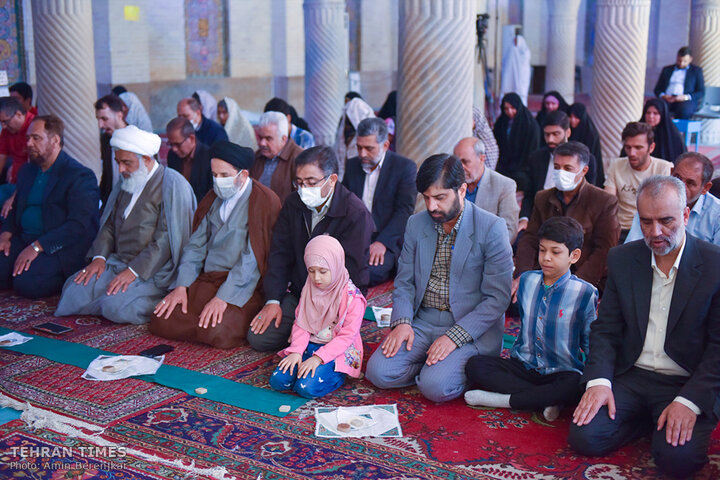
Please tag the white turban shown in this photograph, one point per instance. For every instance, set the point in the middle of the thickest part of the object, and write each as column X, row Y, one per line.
column 132, row 139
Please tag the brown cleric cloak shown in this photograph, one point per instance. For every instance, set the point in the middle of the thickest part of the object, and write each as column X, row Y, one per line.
column 263, row 209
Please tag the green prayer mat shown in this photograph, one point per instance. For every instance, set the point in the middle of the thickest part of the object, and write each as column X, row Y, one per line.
column 219, row 389
column 8, row 415
column 508, row 340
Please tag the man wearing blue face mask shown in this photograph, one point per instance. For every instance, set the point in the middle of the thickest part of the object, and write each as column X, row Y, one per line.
column 320, row 206
column 573, row 196
column 217, row 290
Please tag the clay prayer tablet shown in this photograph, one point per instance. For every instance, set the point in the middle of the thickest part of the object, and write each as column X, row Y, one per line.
column 201, row 390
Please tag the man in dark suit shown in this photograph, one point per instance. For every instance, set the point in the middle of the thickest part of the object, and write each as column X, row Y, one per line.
column 654, row 360
column 110, row 113
column 207, row 130
column 54, row 217
column 556, row 131
column 189, row 156
column 385, row 182
column 681, row 85
column 320, row 206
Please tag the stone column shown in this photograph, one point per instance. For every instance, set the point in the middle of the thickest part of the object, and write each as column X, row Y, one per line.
column 618, row 84
column 705, row 46
column 65, row 70
column 435, row 76
column 560, row 73
column 326, row 66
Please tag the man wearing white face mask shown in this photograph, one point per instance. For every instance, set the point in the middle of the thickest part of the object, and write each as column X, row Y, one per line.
column 207, row 130
column 573, row 196
column 217, row 291
column 320, row 206
column 144, row 226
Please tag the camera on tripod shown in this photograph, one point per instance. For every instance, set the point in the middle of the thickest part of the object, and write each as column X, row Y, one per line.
column 482, row 22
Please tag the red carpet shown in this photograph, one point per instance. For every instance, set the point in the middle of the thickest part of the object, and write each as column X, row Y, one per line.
column 448, row 441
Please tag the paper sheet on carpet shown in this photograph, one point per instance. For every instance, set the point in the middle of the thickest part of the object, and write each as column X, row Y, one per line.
column 117, row 367
column 364, row 421
column 379, row 314
column 12, row 339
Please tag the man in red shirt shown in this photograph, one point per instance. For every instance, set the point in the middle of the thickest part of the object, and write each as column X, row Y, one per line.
column 14, row 120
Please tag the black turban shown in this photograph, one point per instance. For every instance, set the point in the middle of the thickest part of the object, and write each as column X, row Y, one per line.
column 239, row 157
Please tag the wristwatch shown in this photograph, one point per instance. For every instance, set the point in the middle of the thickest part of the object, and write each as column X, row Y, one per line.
column 35, row 247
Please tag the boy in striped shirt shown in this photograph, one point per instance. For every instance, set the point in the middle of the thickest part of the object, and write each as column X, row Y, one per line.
column 556, row 309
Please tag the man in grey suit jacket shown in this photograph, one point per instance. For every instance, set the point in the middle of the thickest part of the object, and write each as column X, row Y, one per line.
column 489, row 190
column 451, row 290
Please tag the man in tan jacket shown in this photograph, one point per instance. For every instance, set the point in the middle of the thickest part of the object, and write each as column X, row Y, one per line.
column 573, row 196
column 274, row 164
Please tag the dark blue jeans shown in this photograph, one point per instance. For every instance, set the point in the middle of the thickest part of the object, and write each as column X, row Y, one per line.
column 326, row 379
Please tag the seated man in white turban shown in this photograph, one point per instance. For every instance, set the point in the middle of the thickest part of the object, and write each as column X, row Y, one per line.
column 143, row 230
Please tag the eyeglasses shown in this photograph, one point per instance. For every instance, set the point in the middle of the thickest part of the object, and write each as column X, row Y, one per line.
column 309, row 182
column 177, row 144
column 4, row 123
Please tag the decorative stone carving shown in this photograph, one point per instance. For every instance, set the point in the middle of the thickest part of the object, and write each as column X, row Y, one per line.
column 326, row 66
column 618, row 84
column 435, row 77
column 562, row 32
column 65, row 70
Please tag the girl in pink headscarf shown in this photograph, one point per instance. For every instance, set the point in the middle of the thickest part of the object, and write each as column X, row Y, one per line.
column 325, row 343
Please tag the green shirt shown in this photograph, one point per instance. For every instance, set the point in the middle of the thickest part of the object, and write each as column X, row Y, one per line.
column 31, row 218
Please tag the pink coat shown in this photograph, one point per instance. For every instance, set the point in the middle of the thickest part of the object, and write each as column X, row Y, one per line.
column 346, row 345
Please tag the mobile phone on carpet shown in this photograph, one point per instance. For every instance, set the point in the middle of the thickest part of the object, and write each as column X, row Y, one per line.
column 157, row 350
column 54, row 328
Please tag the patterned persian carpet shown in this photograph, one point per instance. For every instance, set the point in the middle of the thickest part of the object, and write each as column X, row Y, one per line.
column 161, row 425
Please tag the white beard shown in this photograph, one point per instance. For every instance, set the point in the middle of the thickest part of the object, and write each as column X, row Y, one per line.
column 136, row 180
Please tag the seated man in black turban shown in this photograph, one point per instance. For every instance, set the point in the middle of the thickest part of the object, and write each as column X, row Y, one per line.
column 218, row 286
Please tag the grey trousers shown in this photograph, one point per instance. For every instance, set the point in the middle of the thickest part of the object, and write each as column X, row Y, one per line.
column 274, row 338
column 440, row 382
column 133, row 306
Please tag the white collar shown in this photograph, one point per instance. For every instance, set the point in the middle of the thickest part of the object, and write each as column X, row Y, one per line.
column 228, row 205
column 323, row 211
column 379, row 164
column 676, row 265
column 382, row 160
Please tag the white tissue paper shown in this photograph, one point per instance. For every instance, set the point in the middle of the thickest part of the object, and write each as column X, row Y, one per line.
column 12, row 339
column 379, row 312
column 116, row 367
column 364, row 421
